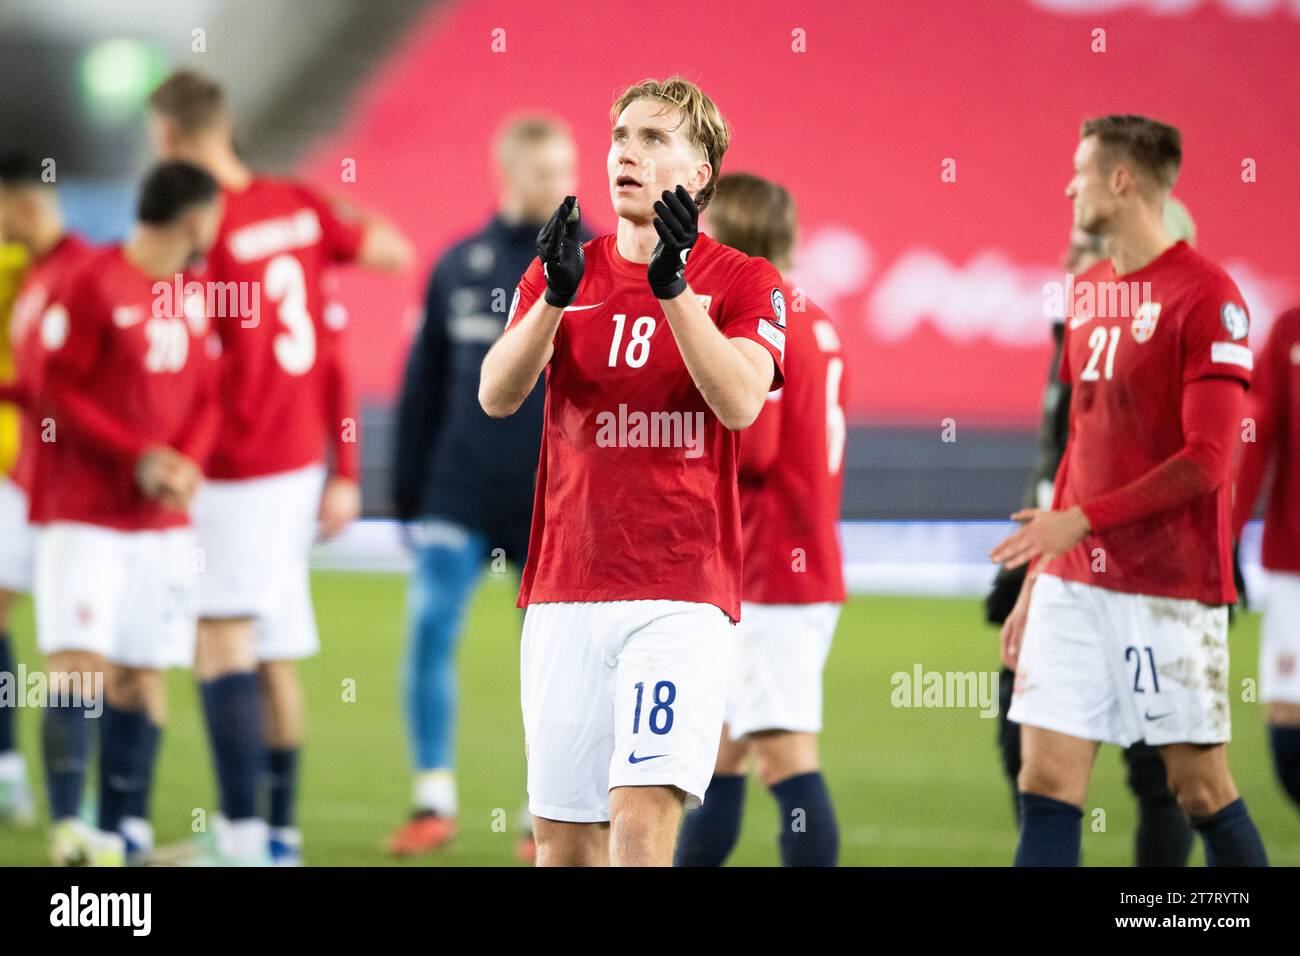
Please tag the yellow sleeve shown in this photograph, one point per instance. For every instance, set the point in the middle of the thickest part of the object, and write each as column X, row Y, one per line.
column 13, row 261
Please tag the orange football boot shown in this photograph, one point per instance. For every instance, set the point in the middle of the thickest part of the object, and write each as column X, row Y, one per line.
column 424, row 833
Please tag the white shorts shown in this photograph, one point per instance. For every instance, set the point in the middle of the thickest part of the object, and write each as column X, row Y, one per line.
column 1118, row 668
column 620, row 694
column 1279, row 640
column 776, row 667
column 256, row 537
column 128, row 595
column 17, row 540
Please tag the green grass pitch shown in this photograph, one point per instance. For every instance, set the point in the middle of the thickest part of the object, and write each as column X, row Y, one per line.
column 913, row 787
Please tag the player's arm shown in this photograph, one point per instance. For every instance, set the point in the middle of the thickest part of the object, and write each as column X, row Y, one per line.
column 362, row 237
column 421, row 403
column 73, row 328
column 339, row 402
column 512, row 366
column 1262, row 407
column 178, row 477
column 384, row 247
column 733, row 375
column 1211, row 413
column 341, row 498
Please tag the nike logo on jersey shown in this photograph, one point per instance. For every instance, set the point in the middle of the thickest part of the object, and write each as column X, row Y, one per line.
column 1081, row 320
column 632, row 758
column 582, row 308
column 1147, row 715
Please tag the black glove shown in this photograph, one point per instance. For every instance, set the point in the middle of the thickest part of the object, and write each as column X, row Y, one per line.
column 677, row 222
column 1001, row 600
column 559, row 246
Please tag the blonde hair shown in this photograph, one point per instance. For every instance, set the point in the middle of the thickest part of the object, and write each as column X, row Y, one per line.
column 706, row 128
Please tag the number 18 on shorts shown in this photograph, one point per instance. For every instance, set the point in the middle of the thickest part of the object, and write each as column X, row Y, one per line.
column 618, row 694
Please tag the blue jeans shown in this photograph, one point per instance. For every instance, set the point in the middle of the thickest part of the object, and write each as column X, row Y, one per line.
column 448, row 561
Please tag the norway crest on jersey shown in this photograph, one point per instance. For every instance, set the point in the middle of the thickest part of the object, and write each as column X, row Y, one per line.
column 1235, row 320
column 1145, row 317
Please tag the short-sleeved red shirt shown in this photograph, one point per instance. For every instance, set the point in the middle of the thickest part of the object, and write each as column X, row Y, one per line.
column 636, row 486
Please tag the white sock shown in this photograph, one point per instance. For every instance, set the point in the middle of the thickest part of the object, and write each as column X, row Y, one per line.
column 12, row 767
column 436, row 790
column 289, row 836
column 139, row 831
column 246, row 839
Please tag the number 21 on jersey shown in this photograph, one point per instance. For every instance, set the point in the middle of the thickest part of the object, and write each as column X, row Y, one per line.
column 1101, row 340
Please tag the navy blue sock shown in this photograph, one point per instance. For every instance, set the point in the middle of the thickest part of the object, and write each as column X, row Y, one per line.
column 1050, row 832
column 1231, row 838
column 65, row 742
column 1286, row 758
column 8, row 714
column 128, row 744
column 710, row 831
column 810, row 835
column 146, row 759
column 232, row 705
column 282, row 781
column 1164, row 837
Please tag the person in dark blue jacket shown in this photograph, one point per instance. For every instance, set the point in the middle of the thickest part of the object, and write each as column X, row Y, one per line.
column 464, row 481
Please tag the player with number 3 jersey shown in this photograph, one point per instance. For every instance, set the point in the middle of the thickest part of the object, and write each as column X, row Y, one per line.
column 289, row 407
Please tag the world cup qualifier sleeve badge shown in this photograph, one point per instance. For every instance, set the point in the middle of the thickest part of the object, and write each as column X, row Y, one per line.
column 778, row 308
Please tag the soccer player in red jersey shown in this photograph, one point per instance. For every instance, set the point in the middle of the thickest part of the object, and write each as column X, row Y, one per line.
column 130, row 400
column 29, row 215
column 791, row 477
column 286, row 395
column 1120, row 631
column 632, row 583
column 1275, row 409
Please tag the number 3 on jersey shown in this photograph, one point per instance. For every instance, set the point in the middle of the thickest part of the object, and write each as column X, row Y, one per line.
column 286, row 286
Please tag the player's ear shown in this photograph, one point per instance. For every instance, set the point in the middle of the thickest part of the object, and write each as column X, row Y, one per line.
column 703, row 173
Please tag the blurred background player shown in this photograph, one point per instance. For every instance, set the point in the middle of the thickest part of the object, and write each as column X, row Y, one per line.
column 468, row 479
column 633, row 574
column 1123, row 614
column 1164, row 837
column 1275, row 407
column 16, row 805
column 285, row 393
column 31, row 217
column 791, row 477
column 130, row 390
